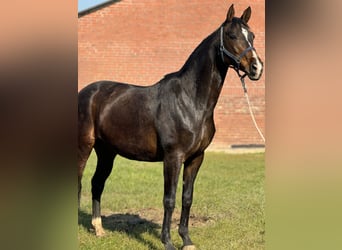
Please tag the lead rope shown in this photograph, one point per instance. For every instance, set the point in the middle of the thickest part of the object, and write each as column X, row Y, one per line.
column 242, row 78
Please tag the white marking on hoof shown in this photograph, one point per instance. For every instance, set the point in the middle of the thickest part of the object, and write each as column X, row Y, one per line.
column 189, row 247
column 97, row 224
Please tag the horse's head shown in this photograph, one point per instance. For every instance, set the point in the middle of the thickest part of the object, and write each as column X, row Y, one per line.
column 236, row 44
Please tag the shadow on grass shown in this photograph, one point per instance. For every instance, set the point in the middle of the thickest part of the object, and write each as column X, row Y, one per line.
column 131, row 224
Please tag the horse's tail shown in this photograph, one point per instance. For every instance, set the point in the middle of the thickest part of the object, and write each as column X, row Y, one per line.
column 86, row 132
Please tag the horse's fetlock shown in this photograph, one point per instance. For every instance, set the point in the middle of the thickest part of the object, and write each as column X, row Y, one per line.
column 182, row 230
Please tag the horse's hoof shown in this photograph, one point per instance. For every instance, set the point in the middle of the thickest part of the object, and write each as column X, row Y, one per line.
column 169, row 246
column 99, row 232
column 189, row 247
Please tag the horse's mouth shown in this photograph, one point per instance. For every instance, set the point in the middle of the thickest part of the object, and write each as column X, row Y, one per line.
column 254, row 76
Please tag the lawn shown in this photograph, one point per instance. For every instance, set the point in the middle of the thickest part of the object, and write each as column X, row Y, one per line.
column 228, row 210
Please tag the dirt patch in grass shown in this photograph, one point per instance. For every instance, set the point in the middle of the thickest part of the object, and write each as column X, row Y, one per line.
column 152, row 217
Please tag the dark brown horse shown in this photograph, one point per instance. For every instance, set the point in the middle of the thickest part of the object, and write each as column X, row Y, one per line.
column 170, row 121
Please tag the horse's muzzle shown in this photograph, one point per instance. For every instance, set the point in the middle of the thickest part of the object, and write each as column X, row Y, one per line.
column 255, row 71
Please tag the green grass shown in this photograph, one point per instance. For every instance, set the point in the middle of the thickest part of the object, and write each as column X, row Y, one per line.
column 227, row 211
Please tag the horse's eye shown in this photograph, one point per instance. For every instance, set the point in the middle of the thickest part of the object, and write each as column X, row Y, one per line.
column 232, row 36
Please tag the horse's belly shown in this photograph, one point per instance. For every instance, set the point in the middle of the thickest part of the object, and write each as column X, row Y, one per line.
column 135, row 147
column 133, row 141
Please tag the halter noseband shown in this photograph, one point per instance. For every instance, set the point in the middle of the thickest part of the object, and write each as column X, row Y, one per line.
column 236, row 59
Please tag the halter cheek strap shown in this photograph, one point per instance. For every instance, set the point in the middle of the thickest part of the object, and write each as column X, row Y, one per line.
column 236, row 59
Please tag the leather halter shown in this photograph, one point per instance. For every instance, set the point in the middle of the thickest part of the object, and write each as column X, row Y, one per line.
column 236, row 59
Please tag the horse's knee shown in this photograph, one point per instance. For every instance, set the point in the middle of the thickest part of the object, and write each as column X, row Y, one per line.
column 169, row 203
column 186, row 203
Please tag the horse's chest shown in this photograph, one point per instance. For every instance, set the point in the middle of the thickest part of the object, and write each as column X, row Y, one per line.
column 207, row 133
column 185, row 132
column 203, row 137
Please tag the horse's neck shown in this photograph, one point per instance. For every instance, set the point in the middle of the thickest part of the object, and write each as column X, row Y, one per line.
column 208, row 72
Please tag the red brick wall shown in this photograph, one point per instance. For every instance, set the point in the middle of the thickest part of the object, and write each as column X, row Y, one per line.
column 135, row 42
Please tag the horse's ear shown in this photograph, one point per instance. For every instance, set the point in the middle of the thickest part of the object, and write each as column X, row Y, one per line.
column 246, row 15
column 230, row 13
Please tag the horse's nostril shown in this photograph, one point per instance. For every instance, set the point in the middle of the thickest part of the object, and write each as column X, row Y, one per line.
column 254, row 66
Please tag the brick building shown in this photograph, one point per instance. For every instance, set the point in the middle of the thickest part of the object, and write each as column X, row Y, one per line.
column 141, row 41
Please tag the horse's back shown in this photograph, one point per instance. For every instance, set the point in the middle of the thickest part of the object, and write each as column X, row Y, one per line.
column 95, row 95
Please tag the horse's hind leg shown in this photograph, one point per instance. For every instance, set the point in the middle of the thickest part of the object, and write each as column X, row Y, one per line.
column 85, row 145
column 105, row 158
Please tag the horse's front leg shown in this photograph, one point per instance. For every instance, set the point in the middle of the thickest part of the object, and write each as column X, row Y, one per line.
column 172, row 166
column 191, row 168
